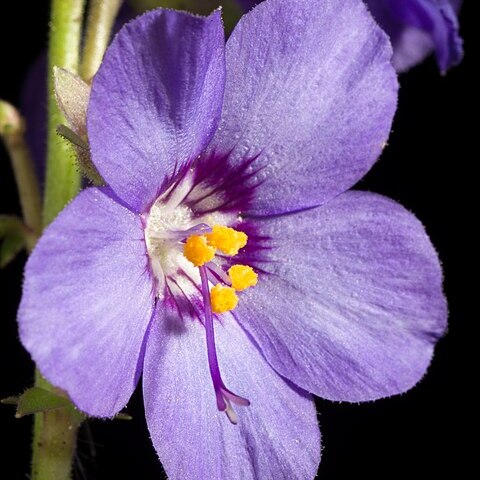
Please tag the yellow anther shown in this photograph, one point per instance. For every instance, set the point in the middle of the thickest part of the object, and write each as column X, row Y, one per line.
column 198, row 251
column 242, row 277
column 226, row 239
column 223, row 298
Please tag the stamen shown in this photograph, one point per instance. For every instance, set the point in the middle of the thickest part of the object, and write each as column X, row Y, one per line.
column 218, row 272
column 223, row 298
column 242, row 277
column 226, row 239
column 198, row 251
column 223, row 395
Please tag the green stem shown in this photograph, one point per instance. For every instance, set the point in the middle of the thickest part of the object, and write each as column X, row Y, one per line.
column 54, row 439
column 63, row 178
column 55, row 433
column 12, row 130
column 101, row 16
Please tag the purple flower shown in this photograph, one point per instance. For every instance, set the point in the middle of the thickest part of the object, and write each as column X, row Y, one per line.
column 264, row 135
column 416, row 28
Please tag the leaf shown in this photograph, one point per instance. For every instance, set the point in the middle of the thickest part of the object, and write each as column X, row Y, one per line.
column 37, row 399
column 13, row 237
column 10, row 223
column 123, row 416
column 9, row 401
column 10, row 247
column 71, row 136
column 82, row 150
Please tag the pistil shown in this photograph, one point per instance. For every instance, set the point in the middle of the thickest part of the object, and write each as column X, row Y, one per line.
column 170, row 229
column 223, row 395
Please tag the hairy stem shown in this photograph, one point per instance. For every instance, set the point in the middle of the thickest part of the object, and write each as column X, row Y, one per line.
column 63, row 178
column 101, row 16
column 54, row 439
column 55, row 433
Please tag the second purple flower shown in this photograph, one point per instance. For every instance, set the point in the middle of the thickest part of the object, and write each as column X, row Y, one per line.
column 416, row 29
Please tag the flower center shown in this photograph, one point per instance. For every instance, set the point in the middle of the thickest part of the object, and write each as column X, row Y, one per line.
column 182, row 248
column 201, row 249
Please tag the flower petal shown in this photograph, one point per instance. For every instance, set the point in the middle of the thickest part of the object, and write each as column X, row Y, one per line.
column 416, row 27
column 87, row 302
column 311, row 91
column 351, row 304
column 156, row 101
column 276, row 437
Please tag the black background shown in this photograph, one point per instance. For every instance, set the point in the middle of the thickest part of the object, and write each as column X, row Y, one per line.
column 428, row 167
